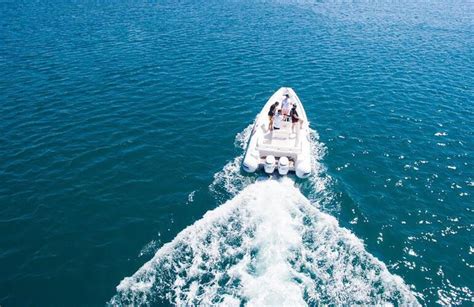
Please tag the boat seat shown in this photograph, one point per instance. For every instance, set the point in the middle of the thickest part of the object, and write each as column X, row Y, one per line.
column 278, row 151
column 281, row 134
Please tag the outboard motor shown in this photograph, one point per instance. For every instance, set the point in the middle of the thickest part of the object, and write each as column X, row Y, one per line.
column 250, row 164
column 269, row 164
column 283, row 165
column 303, row 169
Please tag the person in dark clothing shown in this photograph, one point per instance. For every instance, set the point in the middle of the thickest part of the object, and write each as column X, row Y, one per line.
column 294, row 117
column 271, row 113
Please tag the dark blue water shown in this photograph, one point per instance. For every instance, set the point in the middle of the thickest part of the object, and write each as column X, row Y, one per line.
column 117, row 131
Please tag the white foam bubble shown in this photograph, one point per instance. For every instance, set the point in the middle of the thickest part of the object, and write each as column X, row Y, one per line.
column 149, row 249
column 267, row 246
column 319, row 183
column 242, row 138
column 230, row 180
column 191, row 197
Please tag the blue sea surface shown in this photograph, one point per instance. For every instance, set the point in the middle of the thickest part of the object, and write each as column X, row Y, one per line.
column 123, row 122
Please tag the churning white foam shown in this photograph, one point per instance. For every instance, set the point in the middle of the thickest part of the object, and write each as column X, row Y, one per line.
column 319, row 185
column 230, row 180
column 267, row 246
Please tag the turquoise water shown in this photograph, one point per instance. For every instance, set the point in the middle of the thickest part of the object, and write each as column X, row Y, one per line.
column 124, row 122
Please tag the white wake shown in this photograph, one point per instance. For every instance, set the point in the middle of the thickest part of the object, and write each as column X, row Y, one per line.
column 267, row 245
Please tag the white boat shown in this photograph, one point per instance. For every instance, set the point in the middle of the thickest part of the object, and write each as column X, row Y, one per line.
column 287, row 149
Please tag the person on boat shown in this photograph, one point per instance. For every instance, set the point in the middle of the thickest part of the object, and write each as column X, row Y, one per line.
column 277, row 120
column 294, row 117
column 286, row 105
column 271, row 113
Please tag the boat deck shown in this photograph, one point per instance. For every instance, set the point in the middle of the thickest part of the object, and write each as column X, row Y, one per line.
column 282, row 142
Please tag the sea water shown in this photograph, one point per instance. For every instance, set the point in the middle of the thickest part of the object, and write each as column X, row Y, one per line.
column 124, row 123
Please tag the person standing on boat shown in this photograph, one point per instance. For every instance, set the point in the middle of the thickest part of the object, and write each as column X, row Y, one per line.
column 271, row 113
column 286, row 106
column 294, row 118
column 277, row 120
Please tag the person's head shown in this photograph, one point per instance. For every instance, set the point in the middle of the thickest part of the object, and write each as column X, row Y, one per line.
column 279, row 112
column 276, row 103
column 287, row 95
column 294, row 106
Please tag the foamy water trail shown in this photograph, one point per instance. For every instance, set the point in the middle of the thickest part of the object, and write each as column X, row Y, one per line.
column 230, row 180
column 319, row 184
column 267, row 246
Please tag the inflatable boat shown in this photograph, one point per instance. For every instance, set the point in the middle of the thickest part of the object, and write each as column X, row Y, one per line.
column 283, row 145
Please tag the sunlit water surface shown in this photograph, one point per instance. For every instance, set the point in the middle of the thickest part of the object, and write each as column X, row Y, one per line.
column 124, row 122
